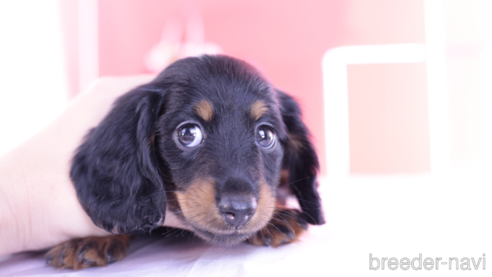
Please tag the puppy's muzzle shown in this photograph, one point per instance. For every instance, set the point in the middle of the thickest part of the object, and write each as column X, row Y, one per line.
column 237, row 209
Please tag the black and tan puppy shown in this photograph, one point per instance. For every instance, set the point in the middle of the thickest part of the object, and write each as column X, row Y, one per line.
column 207, row 139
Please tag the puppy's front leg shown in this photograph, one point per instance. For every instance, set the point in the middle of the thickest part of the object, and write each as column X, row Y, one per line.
column 285, row 227
column 87, row 252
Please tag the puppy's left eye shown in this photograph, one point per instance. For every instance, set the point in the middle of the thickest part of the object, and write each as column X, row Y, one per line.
column 190, row 135
column 265, row 136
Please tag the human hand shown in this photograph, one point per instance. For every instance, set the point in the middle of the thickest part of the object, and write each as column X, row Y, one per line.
column 38, row 204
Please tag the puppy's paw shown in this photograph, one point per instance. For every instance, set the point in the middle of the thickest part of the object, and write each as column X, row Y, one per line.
column 285, row 227
column 87, row 252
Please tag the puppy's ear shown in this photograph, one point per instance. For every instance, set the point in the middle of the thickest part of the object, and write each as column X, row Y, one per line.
column 300, row 160
column 115, row 172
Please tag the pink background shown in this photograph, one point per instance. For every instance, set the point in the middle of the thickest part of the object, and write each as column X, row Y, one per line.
column 286, row 40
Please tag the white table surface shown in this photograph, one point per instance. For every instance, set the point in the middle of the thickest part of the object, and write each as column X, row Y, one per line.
column 399, row 216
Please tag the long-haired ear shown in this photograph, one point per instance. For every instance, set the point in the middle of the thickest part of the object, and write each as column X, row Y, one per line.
column 300, row 160
column 115, row 171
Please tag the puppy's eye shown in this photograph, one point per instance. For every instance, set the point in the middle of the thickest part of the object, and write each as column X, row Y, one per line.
column 265, row 136
column 190, row 135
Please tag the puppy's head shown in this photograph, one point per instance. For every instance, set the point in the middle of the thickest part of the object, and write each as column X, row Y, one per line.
column 208, row 138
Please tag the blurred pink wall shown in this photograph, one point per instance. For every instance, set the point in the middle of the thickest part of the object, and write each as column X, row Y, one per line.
column 287, row 39
column 388, row 118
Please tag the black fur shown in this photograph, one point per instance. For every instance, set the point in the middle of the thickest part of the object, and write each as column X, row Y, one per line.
column 301, row 161
column 130, row 164
column 115, row 170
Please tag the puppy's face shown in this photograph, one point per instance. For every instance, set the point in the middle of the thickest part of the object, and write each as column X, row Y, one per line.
column 207, row 139
column 219, row 136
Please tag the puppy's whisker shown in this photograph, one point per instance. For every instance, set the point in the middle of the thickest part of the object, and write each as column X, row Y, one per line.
column 271, row 224
column 307, row 202
column 300, row 218
column 301, row 179
column 281, row 216
column 159, row 192
column 287, row 223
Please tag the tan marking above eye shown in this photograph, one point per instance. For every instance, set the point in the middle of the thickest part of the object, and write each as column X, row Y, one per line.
column 258, row 109
column 204, row 109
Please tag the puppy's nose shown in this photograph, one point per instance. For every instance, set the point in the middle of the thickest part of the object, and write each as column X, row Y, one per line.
column 237, row 209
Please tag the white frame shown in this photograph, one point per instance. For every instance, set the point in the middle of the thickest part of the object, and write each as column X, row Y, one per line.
column 335, row 90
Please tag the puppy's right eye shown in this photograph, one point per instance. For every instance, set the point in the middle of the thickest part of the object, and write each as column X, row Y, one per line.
column 190, row 135
column 265, row 136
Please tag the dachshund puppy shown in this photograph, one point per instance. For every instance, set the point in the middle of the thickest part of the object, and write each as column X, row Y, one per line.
column 207, row 139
